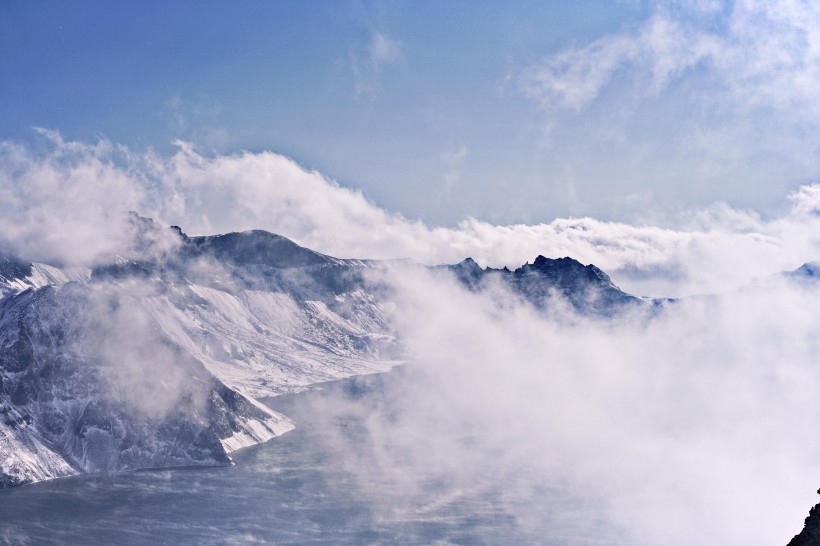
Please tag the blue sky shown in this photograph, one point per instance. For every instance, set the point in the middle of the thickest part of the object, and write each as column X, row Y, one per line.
column 627, row 110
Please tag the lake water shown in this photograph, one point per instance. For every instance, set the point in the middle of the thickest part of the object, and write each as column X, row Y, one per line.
column 295, row 489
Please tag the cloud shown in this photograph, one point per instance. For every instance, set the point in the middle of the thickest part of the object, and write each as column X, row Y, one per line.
column 68, row 203
column 369, row 65
column 139, row 370
column 690, row 429
column 195, row 119
column 765, row 53
column 693, row 104
column 65, row 201
column 661, row 50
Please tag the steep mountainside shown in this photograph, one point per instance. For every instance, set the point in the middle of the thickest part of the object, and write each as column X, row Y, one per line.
column 155, row 359
column 85, row 391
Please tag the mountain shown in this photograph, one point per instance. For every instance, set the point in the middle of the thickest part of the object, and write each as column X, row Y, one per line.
column 809, row 271
column 549, row 282
column 155, row 357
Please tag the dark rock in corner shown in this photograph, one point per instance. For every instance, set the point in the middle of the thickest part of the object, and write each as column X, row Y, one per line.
column 810, row 535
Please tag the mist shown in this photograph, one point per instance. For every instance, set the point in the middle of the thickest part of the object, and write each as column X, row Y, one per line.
column 694, row 427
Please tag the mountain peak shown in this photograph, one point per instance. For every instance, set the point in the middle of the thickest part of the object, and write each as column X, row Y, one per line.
column 256, row 247
column 542, row 262
column 808, row 269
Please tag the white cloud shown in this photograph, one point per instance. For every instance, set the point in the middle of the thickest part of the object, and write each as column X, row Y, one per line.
column 661, row 50
column 691, row 105
column 66, row 203
column 690, row 429
column 806, row 200
column 767, row 54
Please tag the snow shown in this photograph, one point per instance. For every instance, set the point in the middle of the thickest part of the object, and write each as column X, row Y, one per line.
column 268, row 343
column 24, row 459
column 259, row 333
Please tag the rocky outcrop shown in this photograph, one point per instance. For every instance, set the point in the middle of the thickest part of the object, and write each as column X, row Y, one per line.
column 810, row 535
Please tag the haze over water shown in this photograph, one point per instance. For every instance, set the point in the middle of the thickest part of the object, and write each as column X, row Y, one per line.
column 292, row 489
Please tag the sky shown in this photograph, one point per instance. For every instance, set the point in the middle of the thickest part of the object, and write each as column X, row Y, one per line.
column 441, row 111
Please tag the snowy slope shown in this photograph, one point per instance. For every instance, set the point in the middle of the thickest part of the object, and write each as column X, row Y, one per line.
column 154, row 360
column 82, row 391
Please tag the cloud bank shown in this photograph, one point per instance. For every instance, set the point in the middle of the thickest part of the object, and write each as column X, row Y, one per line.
column 65, row 201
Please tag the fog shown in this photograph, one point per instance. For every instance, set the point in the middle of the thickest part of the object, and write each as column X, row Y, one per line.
column 139, row 368
column 694, row 427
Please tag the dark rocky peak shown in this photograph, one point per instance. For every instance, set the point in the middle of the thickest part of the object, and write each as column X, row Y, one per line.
column 564, row 272
column 12, row 267
column 181, row 234
column 587, row 288
column 467, row 265
column 810, row 535
column 256, row 247
column 468, row 272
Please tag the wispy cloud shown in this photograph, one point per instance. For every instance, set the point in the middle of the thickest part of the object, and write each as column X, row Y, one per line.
column 195, row 119
column 383, row 50
column 453, row 162
column 658, row 52
column 766, row 54
column 369, row 63
column 696, row 103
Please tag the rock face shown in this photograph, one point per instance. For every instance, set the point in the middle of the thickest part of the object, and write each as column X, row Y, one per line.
column 549, row 282
column 810, row 535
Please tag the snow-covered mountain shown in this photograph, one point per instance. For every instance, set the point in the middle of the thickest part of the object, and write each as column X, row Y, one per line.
column 587, row 289
column 156, row 357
